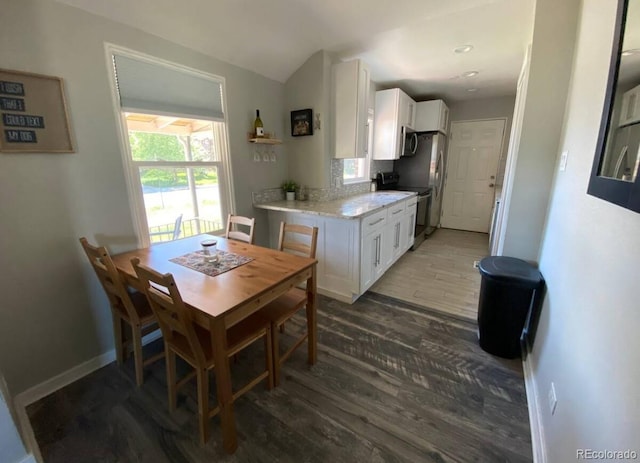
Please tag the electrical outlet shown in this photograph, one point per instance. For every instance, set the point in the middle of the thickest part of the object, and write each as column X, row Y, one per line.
column 476, row 263
column 563, row 160
column 553, row 399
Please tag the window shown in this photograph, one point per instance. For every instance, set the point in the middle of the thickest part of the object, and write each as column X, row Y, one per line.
column 175, row 146
column 357, row 169
column 177, row 163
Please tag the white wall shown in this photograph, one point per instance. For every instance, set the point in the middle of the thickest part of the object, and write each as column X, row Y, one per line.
column 487, row 108
column 53, row 315
column 310, row 156
column 11, row 448
column 587, row 341
column 551, row 54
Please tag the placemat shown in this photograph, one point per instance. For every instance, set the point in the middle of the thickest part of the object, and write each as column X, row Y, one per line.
column 226, row 261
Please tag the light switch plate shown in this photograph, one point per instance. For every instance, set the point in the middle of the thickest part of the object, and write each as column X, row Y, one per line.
column 563, row 160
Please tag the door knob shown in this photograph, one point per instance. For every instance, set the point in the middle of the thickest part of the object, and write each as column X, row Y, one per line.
column 491, row 185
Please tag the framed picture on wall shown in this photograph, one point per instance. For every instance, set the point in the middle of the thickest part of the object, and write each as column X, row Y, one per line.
column 301, row 122
column 33, row 114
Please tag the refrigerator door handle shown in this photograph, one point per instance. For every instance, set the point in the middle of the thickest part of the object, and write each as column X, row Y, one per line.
column 438, row 186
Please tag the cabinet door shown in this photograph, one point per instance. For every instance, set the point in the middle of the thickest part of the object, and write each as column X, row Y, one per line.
column 386, row 127
column 408, row 232
column 409, row 108
column 369, row 261
column 384, row 253
column 444, row 118
column 351, row 82
column 432, row 116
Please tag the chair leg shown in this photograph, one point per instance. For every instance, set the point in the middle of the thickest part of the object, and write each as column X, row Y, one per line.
column 171, row 378
column 117, row 334
column 203, row 404
column 137, row 353
column 268, row 346
column 275, row 342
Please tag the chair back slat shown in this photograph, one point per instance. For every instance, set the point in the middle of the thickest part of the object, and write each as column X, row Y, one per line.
column 170, row 310
column 292, row 236
column 233, row 232
column 110, row 279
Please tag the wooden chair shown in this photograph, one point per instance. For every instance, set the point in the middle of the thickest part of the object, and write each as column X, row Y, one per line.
column 129, row 307
column 232, row 228
column 193, row 342
column 284, row 307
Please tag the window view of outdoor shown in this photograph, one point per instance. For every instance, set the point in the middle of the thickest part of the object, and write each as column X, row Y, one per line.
column 354, row 169
column 177, row 161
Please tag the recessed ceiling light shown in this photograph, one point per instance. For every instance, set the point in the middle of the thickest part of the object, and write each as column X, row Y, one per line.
column 470, row 74
column 472, row 90
column 632, row 51
column 463, row 49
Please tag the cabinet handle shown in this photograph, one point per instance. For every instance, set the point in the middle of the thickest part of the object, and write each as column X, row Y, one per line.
column 366, row 138
column 375, row 256
column 377, row 221
column 396, row 212
column 397, row 245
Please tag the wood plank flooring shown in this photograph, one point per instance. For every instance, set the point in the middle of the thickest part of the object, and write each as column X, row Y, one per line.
column 394, row 382
column 440, row 273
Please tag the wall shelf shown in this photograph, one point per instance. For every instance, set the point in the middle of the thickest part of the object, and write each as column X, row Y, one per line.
column 265, row 141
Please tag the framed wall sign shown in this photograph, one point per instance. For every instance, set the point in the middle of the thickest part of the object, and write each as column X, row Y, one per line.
column 301, row 122
column 33, row 114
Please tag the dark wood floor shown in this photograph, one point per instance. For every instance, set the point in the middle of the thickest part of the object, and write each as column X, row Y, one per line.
column 394, row 382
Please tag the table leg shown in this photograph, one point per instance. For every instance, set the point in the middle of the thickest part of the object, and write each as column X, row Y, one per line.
column 312, row 324
column 223, row 384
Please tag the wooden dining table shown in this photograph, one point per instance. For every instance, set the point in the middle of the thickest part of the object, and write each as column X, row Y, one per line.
column 221, row 301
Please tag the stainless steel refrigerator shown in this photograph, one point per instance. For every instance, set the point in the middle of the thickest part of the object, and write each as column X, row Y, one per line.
column 426, row 169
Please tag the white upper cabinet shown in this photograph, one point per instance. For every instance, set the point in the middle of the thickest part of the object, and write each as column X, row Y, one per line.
column 432, row 116
column 350, row 95
column 630, row 111
column 394, row 110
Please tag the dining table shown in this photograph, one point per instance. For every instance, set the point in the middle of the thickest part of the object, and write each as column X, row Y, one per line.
column 219, row 302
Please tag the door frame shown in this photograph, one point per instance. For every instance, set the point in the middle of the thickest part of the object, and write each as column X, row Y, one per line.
column 449, row 143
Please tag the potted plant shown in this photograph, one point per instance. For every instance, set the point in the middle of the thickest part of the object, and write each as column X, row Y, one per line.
column 289, row 187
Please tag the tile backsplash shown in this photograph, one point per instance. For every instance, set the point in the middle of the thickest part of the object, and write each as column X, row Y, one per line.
column 337, row 190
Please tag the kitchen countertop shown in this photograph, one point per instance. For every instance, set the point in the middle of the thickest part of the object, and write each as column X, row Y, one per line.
column 351, row 207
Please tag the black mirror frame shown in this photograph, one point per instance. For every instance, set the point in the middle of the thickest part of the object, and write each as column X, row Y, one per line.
column 625, row 194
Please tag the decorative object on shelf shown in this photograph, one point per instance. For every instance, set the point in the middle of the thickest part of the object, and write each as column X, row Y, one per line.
column 258, row 128
column 301, row 122
column 34, row 114
column 289, row 187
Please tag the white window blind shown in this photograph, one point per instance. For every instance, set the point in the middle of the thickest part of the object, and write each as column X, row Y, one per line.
column 152, row 88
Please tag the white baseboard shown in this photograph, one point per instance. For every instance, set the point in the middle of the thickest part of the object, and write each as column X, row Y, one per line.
column 535, row 420
column 37, row 392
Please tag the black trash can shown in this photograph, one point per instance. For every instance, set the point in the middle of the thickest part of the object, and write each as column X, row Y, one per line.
column 509, row 296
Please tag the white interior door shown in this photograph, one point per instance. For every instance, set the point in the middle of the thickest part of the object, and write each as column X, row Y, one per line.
column 474, row 153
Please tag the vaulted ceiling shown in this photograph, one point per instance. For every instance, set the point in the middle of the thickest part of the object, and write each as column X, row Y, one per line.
column 406, row 43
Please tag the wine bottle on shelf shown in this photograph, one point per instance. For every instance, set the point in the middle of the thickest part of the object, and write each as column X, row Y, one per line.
column 258, row 128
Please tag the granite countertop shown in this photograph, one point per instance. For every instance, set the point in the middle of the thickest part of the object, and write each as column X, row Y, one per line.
column 352, row 207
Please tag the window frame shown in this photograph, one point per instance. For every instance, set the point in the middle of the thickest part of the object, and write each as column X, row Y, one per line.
column 131, row 167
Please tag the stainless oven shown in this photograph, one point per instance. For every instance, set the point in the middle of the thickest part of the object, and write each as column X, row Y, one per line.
column 422, row 218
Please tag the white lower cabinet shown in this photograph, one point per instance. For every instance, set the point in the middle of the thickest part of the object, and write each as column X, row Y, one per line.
column 353, row 253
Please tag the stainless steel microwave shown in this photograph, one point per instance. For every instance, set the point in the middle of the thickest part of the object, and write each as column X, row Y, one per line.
column 409, row 142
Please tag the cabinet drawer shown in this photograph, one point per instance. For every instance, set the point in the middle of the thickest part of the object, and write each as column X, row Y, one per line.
column 412, row 201
column 374, row 221
column 396, row 210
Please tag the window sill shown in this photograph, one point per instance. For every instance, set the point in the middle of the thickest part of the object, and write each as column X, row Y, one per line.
column 355, row 181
